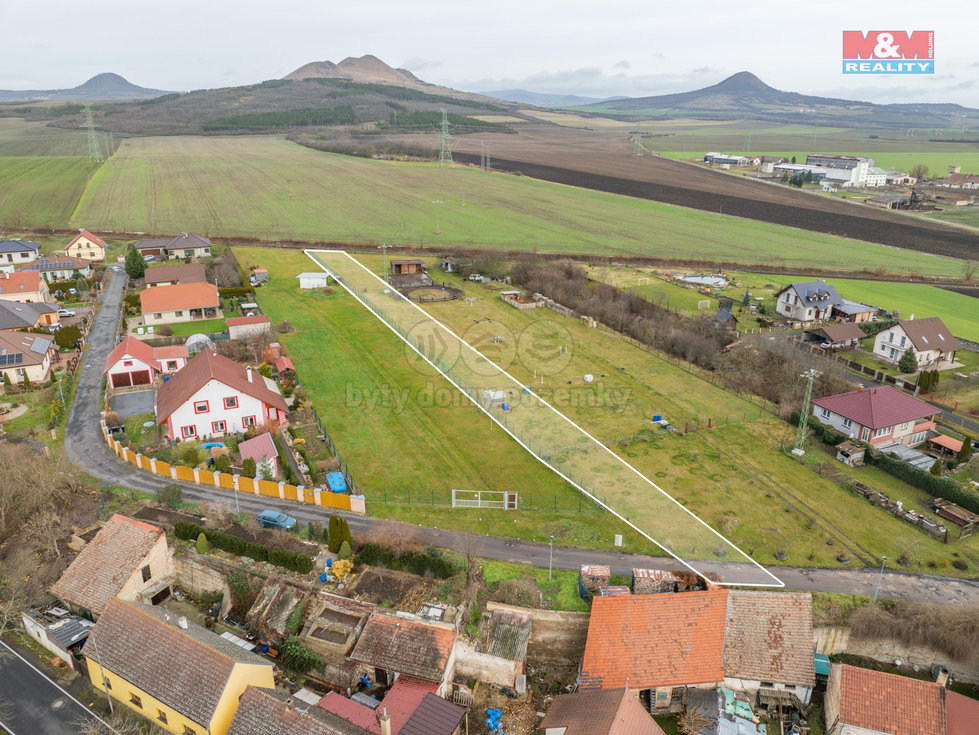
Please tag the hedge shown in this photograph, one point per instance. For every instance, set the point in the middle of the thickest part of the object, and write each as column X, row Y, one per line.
column 936, row 486
column 233, row 545
column 416, row 562
column 824, row 432
column 234, row 292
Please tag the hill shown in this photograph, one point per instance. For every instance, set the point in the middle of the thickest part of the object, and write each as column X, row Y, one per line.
column 99, row 88
column 745, row 96
column 541, row 99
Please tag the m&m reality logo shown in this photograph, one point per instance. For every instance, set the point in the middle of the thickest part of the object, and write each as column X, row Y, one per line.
column 888, row 52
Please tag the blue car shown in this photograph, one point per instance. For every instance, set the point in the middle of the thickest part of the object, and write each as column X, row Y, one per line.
column 275, row 519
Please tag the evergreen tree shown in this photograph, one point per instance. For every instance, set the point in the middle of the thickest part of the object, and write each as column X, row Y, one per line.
column 908, row 363
column 334, row 540
column 936, row 469
column 345, row 551
column 966, row 451
column 249, row 468
column 135, row 263
column 202, row 546
column 8, row 386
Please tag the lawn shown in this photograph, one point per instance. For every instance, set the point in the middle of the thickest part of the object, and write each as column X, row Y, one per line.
column 654, row 288
column 968, row 216
column 267, row 187
column 204, row 326
column 560, row 592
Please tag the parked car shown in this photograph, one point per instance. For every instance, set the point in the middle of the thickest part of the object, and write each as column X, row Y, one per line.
column 66, row 312
column 149, row 258
column 275, row 519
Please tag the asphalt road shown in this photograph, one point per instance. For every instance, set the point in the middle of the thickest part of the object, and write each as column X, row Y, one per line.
column 87, row 449
column 31, row 703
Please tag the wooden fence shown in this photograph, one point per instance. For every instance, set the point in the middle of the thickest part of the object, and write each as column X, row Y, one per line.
column 235, row 483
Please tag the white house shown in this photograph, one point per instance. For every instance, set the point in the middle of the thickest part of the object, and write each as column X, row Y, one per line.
column 242, row 327
column 132, row 362
column 189, row 246
column 807, row 301
column 17, row 252
column 312, row 280
column 214, row 396
column 183, row 302
column 930, row 340
column 25, row 286
column 25, row 355
column 879, row 415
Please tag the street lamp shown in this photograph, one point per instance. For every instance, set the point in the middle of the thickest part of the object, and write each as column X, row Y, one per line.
column 883, row 560
column 550, row 559
column 438, row 206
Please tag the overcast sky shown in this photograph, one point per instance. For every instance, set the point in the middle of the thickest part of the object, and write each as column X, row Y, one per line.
column 600, row 49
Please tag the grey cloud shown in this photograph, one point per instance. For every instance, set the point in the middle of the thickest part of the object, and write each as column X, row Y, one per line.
column 418, row 64
column 622, row 65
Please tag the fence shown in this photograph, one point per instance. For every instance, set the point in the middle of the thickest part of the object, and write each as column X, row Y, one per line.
column 528, row 500
column 235, row 483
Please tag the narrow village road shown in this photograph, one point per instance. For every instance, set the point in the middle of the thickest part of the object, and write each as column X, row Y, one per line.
column 87, row 449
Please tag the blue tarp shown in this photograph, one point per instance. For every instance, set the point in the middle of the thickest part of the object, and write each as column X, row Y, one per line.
column 336, row 482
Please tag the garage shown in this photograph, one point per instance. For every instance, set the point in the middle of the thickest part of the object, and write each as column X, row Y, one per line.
column 125, row 380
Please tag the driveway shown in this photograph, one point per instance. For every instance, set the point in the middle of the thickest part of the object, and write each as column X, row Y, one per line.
column 133, row 404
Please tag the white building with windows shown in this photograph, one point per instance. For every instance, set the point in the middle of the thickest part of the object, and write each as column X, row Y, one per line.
column 929, row 339
column 881, row 415
column 215, row 396
column 807, row 301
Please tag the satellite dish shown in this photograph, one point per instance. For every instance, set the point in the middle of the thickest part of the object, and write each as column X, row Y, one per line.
column 197, row 342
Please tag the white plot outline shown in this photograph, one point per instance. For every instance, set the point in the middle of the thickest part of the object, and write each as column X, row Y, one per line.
column 776, row 583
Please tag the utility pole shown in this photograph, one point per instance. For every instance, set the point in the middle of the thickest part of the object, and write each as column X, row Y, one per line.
column 883, row 561
column 445, row 141
column 94, row 149
column 800, row 435
column 383, row 247
column 438, row 207
column 550, row 560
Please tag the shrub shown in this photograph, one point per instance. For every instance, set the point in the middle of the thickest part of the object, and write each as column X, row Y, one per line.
column 936, row 468
column 68, row 336
column 416, row 562
column 908, row 362
column 295, row 618
column 222, row 463
column 939, row 487
column 202, row 547
column 170, row 496
column 298, row 659
column 249, row 468
column 236, row 292
column 165, row 330
column 345, row 551
column 189, row 457
column 111, row 417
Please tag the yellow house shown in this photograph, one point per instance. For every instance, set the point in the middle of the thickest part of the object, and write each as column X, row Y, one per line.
column 86, row 245
column 182, row 677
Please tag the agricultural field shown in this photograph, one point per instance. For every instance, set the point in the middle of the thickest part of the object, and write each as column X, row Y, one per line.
column 376, row 403
column 964, row 216
column 271, row 188
column 937, row 163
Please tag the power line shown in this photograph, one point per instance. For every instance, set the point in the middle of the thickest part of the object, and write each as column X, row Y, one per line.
column 94, row 149
column 445, row 141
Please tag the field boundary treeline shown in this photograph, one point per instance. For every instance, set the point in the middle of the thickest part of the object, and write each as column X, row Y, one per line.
column 371, row 246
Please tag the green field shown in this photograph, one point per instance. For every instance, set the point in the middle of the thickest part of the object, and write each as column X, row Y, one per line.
column 967, row 216
column 937, row 162
column 657, row 290
column 271, row 188
column 346, row 358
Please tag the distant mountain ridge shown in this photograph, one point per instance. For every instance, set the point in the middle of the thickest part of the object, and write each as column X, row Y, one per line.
column 543, row 99
column 106, row 86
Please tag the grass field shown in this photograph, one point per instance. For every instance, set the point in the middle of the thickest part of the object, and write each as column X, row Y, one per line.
column 968, row 216
column 344, row 355
column 271, row 188
column 205, row 326
column 654, row 289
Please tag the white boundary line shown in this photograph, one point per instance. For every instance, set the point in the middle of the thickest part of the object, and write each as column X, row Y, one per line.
column 426, row 315
column 55, row 684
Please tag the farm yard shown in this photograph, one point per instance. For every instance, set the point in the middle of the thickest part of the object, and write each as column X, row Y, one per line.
column 376, row 402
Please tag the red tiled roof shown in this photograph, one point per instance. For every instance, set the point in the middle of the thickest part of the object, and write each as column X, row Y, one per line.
column 897, row 705
column 646, row 641
column 207, row 366
column 405, row 646
column 169, row 352
column 403, row 699
column 283, row 363
column 179, row 296
column 354, row 712
column 85, row 233
column 877, row 408
column 132, row 347
column 20, row 282
column 961, row 714
column 769, row 637
column 608, row 712
column 948, row 442
column 263, row 712
column 106, row 563
column 258, row 448
column 240, row 320
column 929, row 334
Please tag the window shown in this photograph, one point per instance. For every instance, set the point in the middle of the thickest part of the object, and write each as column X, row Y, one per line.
column 905, row 426
column 231, row 402
column 825, row 412
column 127, row 363
column 135, row 700
column 146, row 573
column 171, row 364
column 847, row 423
column 161, row 716
column 273, row 413
column 189, row 730
column 882, row 432
column 188, row 253
column 200, row 407
column 218, row 427
column 247, row 421
column 188, row 431
column 178, row 313
column 890, row 336
column 903, row 340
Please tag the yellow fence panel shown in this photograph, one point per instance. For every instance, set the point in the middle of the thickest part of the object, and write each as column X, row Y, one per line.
column 144, row 462
column 185, row 473
column 289, row 491
column 267, row 487
column 227, row 481
column 335, row 500
column 246, row 485
column 206, row 477
column 163, row 468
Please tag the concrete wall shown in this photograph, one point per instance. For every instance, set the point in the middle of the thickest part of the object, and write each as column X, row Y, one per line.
column 196, row 576
column 555, row 637
column 837, row 639
column 472, row 664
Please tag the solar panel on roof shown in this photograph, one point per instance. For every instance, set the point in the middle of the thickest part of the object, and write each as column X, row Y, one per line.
column 12, row 359
column 40, row 345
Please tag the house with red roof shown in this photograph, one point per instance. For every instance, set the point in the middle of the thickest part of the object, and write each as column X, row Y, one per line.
column 133, row 362
column 865, row 701
column 181, row 302
column 261, row 449
column 27, row 287
column 664, row 644
column 599, row 712
column 242, row 327
column 929, row 339
column 87, row 246
column 878, row 415
column 215, row 396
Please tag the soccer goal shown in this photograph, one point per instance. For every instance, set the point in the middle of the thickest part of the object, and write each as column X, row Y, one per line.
column 642, row 282
column 499, row 499
column 703, row 304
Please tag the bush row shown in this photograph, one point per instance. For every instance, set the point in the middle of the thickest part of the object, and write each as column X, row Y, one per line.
column 825, row 432
column 284, row 558
column 234, row 292
column 416, row 562
column 935, row 485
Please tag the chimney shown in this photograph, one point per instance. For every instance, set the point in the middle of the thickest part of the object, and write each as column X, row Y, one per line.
column 248, row 372
column 384, row 720
column 859, row 388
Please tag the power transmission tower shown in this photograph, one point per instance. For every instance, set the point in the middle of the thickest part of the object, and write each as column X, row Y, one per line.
column 484, row 156
column 637, row 147
column 94, row 149
column 800, row 434
column 747, row 138
column 445, row 147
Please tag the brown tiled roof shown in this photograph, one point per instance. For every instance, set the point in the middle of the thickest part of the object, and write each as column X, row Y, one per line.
column 961, row 714
column 261, row 712
column 153, row 244
column 405, row 646
column 85, row 233
column 877, row 407
column 769, row 637
column 434, row 716
column 179, row 272
column 207, row 366
column 646, row 641
column 897, row 705
column 185, row 668
column 607, row 712
column 106, row 563
column 929, row 334
column 841, row 332
column 180, row 296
